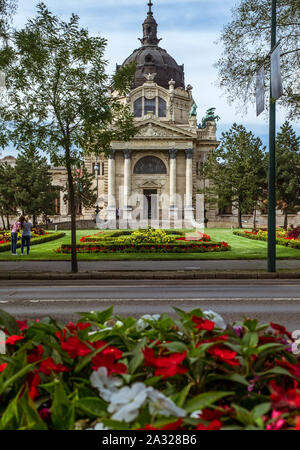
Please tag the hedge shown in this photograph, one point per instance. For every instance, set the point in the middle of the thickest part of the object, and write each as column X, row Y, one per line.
column 279, row 241
column 34, row 241
column 174, row 247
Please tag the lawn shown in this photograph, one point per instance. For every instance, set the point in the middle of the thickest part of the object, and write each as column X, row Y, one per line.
column 241, row 248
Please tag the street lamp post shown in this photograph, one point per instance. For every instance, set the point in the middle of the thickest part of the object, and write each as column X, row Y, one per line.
column 96, row 169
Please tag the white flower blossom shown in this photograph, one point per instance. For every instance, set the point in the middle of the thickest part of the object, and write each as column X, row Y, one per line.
column 125, row 403
column 106, row 385
column 160, row 404
column 195, row 414
column 142, row 324
column 215, row 317
column 99, row 427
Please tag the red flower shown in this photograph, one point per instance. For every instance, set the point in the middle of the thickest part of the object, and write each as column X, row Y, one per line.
column 22, row 324
column 166, row 366
column 223, row 337
column 224, row 354
column 48, row 366
column 33, row 380
column 297, row 423
column 78, row 327
column 209, row 414
column 294, row 369
column 281, row 398
column 268, row 340
column 74, row 347
column 45, row 415
column 170, row 426
column 107, row 358
column 203, row 324
column 12, row 339
column 35, row 355
column 280, row 329
column 214, row 425
column 3, row 367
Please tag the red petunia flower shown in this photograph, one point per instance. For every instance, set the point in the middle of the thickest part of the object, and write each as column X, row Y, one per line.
column 107, row 358
column 223, row 337
column 166, row 366
column 33, row 380
column 3, row 367
column 74, row 347
column 22, row 324
column 280, row 329
column 13, row 339
column 282, row 398
column 48, row 366
column 209, row 414
column 225, row 355
column 170, row 426
column 294, row 369
column 214, row 425
column 297, row 423
column 78, row 327
column 45, row 415
column 35, row 355
column 203, row 324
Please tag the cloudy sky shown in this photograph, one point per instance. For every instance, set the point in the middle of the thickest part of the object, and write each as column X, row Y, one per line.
column 190, row 30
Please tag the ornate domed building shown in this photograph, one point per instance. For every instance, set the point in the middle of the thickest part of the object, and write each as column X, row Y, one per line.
column 158, row 169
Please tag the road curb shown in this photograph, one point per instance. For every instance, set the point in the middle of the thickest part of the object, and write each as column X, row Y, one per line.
column 148, row 275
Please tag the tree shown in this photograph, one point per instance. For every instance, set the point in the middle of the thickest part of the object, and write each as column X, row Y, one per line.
column 288, row 171
column 246, row 41
column 85, row 193
column 60, row 98
column 7, row 193
column 34, row 193
column 237, row 172
column 7, row 9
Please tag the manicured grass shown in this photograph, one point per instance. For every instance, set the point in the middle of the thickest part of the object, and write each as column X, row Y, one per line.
column 241, row 249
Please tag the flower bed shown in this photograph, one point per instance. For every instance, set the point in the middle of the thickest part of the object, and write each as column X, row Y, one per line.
column 34, row 240
column 282, row 238
column 175, row 247
column 155, row 373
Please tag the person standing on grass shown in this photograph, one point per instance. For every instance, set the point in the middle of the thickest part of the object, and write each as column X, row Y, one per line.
column 26, row 235
column 15, row 228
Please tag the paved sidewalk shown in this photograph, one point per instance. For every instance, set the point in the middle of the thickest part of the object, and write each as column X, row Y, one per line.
column 119, row 266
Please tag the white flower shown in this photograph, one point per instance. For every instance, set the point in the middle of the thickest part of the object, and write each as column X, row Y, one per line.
column 125, row 403
column 160, row 404
column 99, row 427
column 215, row 317
column 142, row 324
column 195, row 414
column 106, row 385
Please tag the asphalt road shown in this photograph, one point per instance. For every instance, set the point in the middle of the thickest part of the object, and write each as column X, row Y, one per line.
column 277, row 301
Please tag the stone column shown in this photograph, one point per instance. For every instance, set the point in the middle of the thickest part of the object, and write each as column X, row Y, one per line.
column 188, row 208
column 173, row 174
column 111, row 207
column 127, row 179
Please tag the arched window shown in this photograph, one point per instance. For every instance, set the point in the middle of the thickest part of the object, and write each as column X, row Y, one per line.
column 138, row 108
column 162, row 108
column 150, row 165
column 150, row 105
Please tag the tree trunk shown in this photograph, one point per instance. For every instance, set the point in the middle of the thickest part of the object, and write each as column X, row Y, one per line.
column 8, row 224
column 34, row 220
column 285, row 225
column 254, row 219
column 240, row 218
column 74, row 263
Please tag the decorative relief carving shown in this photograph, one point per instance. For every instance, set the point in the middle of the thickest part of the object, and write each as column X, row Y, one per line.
column 150, row 94
column 153, row 131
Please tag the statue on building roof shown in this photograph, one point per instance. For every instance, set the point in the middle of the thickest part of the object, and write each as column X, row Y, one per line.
column 209, row 117
column 193, row 111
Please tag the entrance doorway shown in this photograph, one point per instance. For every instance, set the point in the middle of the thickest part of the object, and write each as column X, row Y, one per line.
column 150, row 204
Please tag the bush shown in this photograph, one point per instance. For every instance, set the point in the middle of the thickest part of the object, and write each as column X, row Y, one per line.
column 263, row 236
column 192, row 373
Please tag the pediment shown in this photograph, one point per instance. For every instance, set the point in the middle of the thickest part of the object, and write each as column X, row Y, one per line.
column 158, row 130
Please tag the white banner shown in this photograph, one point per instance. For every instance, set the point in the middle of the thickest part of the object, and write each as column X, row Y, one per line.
column 276, row 82
column 260, row 90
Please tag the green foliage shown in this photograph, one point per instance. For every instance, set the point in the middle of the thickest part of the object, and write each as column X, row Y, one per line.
column 85, row 193
column 8, row 205
column 237, row 171
column 246, row 42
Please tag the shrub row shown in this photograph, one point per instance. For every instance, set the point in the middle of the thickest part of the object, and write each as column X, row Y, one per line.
column 34, row 241
column 176, row 247
column 279, row 241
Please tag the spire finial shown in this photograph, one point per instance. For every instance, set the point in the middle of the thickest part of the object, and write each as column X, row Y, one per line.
column 150, row 4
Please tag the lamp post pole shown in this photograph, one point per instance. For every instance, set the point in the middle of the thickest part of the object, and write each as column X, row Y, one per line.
column 272, row 164
column 96, row 168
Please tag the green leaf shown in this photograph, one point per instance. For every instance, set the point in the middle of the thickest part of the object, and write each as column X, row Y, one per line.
column 15, row 377
column 250, row 339
column 9, row 322
column 115, row 425
column 62, row 409
column 260, row 410
column 11, row 417
column 203, row 400
column 251, row 324
column 243, row 415
column 138, row 356
column 31, row 417
column 181, row 397
column 236, row 377
column 267, row 347
column 93, row 406
column 176, row 346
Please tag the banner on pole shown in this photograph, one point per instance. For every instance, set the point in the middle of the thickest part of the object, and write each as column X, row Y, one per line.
column 276, row 81
column 260, row 90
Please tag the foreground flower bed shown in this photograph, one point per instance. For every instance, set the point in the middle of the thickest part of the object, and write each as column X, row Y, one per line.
column 105, row 372
column 282, row 237
column 36, row 239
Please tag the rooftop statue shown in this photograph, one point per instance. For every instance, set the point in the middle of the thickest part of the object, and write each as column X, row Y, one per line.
column 209, row 117
column 193, row 111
